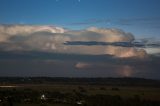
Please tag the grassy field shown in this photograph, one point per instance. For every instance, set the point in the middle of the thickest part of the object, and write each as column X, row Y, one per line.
column 151, row 93
column 144, row 93
column 75, row 92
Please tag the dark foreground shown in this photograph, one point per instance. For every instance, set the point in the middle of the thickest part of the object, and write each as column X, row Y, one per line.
column 42, row 91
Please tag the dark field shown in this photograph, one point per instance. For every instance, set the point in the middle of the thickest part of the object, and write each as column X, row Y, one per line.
column 79, row 91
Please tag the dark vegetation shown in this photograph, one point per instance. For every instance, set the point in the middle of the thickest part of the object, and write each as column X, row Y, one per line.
column 91, row 81
column 44, row 91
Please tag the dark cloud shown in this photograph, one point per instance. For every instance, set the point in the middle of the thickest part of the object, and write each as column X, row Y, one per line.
column 92, row 43
column 122, row 44
column 71, row 65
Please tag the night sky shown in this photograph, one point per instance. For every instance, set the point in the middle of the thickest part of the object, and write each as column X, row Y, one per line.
column 80, row 38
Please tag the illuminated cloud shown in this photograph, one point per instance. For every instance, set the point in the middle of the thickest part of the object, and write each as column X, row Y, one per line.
column 125, row 52
column 112, row 35
column 152, row 50
column 20, row 31
column 125, row 71
column 52, row 39
column 82, row 65
column 121, row 52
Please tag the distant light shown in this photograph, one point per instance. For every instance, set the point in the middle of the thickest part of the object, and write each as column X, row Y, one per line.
column 43, row 97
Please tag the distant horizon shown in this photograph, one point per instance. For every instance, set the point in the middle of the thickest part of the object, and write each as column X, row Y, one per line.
column 79, row 77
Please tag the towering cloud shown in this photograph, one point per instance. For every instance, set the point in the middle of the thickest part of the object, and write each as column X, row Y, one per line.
column 52, row 39
column 7, row 31
column 112, row 35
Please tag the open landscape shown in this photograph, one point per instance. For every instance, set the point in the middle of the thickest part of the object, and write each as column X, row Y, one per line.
column 46, row 91
column 79, row 52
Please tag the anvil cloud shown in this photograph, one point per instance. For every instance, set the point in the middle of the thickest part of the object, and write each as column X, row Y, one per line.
column 52, row 39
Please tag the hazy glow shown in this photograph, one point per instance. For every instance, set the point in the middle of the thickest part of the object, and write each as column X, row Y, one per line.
column 81, row 65
column 125, row 71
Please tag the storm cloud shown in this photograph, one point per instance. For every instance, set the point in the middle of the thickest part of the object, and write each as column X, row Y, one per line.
column 52, row 39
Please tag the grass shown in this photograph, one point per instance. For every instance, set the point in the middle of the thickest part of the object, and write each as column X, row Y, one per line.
column 145, row 92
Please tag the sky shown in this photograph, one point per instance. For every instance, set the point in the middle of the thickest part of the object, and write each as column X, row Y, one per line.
column 139, row 17
column 80, row 38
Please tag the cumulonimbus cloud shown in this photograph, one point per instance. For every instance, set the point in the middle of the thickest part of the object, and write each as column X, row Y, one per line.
column 7, row 31
column 112, row 35
column 52, row 39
